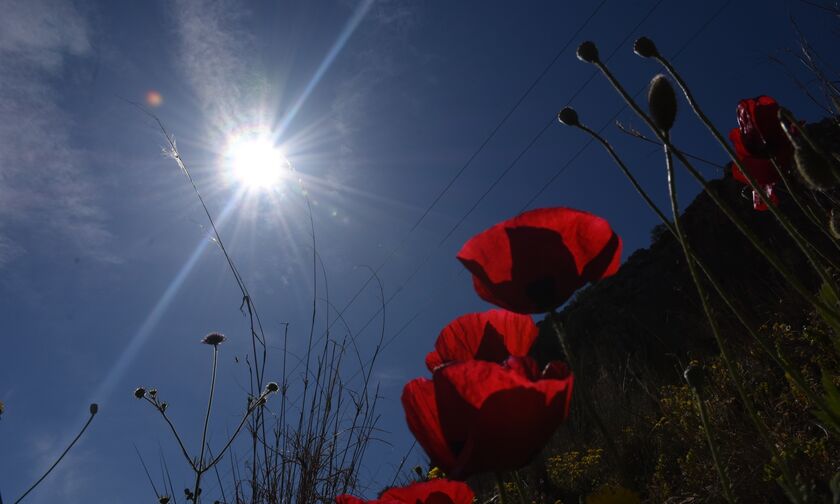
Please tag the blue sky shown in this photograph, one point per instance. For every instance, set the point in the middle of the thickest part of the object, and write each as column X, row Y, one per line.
column 376, row 105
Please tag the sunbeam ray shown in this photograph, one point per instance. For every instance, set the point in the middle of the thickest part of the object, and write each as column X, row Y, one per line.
column 115, row 374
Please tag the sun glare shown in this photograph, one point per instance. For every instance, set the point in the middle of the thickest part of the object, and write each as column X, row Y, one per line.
column 255, row 161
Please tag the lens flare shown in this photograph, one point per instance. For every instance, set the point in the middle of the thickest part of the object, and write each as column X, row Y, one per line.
column 154, row 99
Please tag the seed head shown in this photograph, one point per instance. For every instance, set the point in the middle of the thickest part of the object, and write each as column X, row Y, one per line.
column 139, row 392
column 662, row 103
column 94, row 408
column 213, row 338
column 272, row 387
column 645, row 48
column 568, row 116
column 588, row 52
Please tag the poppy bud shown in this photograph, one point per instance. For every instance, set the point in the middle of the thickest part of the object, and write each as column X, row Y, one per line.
column 94, row 408
column 662, row 103
column 817, row 170
column 153, row 392
column 163, row 500
column 568, row 116
column 272, row 387
column 163, row 406
column 695, row 376
column 645, row 48
column 139, row 392
column 588, row 52
column 834, row 224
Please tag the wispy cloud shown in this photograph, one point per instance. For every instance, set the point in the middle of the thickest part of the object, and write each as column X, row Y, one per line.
column 212, row 55
column 45, row 189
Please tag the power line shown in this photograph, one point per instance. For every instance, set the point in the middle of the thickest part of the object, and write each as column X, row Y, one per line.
column 466, row 165
column 685, row 45
column 542, row 131
column 507, row 116
column 498, row 179
column 621, row 109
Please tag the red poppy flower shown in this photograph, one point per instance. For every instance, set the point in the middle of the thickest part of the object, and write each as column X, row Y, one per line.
column 478, row 416
column 761, row 133
column 493, row 336
column 535, row 261
column 436, row 491
column 761, row 170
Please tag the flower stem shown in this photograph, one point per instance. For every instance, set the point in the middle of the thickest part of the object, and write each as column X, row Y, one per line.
column 200, row 464
column 58, row 460
column 791, row 371
column 803, row 244
column 829, row 314
column 724, row 352
column 704, row 418
column 808, row 212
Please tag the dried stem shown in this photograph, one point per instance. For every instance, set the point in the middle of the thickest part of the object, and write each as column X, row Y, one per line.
column 93, row 412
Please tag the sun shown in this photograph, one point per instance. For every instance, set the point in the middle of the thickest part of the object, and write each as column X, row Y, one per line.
column 255, row 161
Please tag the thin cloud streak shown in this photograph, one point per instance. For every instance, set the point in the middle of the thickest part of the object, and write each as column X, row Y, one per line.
column 46, row 189
column 212, row 55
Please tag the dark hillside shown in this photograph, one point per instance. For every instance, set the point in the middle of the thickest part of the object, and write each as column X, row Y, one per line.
column 633, row 334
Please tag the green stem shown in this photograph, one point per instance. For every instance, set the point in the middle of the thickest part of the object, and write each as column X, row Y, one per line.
column 803, row 244
column 809, row 214
column 829, row 314
column 724, row 352
column 58, row 460
column 791, row 371
column 704, row 418
column 200, row 464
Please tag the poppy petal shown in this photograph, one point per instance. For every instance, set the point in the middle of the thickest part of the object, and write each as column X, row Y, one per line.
column 421, row 412
column 436, row 491
column 492, row 336
column 535, row 261
column 479, row 400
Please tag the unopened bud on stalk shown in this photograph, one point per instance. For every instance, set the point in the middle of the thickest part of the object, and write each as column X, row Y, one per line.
column 272, row 387
column 139, row 392
column 568, row 116
column 645, row 48
column 814, row 167
column 588, row 52
column 94, row 408
column 662, row 103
